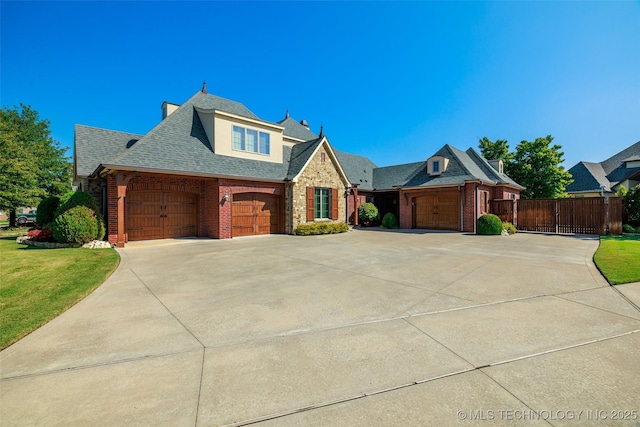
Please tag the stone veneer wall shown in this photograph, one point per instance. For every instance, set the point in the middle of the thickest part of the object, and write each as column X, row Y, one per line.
column 317, row 174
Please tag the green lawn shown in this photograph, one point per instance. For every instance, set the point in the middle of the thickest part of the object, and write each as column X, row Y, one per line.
column 37, row 284
column 618, row 258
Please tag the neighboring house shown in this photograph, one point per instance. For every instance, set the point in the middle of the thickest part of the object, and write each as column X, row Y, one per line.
column 605, row 178
column 212, row 168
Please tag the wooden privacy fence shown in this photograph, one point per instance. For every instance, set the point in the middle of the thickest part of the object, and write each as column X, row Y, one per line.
column 589, row 215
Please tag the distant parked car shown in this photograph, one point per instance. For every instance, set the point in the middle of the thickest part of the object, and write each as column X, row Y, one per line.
column 27, row 218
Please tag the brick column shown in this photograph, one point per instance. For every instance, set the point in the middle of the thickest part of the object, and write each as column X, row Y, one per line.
column 355, row 205
column 121, row 182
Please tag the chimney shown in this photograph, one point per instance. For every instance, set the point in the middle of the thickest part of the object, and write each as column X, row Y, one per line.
column 168, row 108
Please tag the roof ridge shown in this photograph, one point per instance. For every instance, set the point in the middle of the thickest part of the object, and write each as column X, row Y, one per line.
column 109, row 130
column 171, row 117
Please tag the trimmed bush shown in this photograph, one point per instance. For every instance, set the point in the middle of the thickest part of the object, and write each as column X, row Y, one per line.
column 46, row 211
column 315, row 228
column 489, row 224
column 77, row 225
column 76, row 198
column 628, row 229
column 509, row 228
column 389, row 221
column 367, row 212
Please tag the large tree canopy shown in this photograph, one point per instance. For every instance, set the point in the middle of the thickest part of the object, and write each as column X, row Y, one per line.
column 32, row 165
column 535, row 165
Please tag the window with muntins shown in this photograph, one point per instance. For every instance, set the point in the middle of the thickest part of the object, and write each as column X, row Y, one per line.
column 436, row 166
column 322, row 203
column 250, row 140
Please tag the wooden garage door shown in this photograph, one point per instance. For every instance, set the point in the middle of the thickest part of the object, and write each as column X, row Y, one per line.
column 254, row 213
column 160, row 215
column 437, row 210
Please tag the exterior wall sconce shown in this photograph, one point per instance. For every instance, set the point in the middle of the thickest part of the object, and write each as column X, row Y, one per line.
column 225, row 198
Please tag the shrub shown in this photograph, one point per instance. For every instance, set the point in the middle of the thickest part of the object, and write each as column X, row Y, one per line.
column 46, row 211
column 632, row 203
column 622, row 191
column 389, row 221
column 77, row 225
column 315, row 228
column 489, row 224
column 76, row 198
column 510, row 228
column 40, row 235
column 368, row 212
column 628, row 229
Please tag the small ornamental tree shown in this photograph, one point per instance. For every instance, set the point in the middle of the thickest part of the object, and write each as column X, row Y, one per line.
column 367, row 212
column 46, row 211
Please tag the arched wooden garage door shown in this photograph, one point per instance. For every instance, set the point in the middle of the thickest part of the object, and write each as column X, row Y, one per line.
column 437, row 210
column 161, row 215
column 255, row 213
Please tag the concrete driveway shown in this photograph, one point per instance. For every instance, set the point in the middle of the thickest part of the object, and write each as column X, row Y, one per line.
column 364, row 328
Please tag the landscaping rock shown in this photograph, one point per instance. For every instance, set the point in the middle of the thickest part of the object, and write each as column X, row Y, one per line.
column 505, row 233
column 97, row 244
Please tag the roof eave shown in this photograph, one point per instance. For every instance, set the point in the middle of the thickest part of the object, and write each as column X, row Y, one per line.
column 106, row 169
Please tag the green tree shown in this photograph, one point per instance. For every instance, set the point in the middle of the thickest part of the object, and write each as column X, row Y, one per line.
column 495, row 150
column 535, row 165
column 32, row 165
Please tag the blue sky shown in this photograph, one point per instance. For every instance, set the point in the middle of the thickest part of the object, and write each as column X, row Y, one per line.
column 390, row 80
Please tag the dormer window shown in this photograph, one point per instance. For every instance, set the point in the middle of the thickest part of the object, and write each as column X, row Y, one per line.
column 250, row 140
column 498, row 165
column 436, row 165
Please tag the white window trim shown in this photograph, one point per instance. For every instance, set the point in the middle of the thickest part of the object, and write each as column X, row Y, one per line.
column 257, row 141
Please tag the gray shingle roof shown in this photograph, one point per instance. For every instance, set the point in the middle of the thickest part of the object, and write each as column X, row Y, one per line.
column 212, row 102
column 294, row 129
column 359, row 169
column 616, row 160
column 388, row 177
column 462, row 167
column 179, row 144
column 588, row 177
column 93, row 146
column 299, row 155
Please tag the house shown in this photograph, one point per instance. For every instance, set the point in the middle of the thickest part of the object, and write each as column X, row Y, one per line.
column 606, row 178
column 212, row 168
column 448, row 191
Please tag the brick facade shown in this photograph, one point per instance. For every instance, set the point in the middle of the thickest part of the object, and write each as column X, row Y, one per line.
column 214, row 212
column 316, row 174
column 229, row 187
